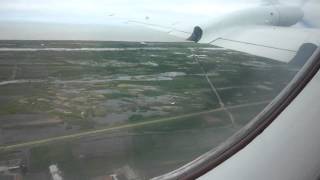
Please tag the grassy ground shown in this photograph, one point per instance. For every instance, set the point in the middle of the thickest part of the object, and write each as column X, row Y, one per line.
column 147, row 106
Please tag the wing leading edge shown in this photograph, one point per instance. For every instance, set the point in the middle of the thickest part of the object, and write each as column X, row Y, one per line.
column 273, row 42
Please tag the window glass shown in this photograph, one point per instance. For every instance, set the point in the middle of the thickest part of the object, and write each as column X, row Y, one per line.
column 102, row 90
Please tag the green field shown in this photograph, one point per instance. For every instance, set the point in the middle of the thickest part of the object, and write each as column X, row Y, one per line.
column 96, row 107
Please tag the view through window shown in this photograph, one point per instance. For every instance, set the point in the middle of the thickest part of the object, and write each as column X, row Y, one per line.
column 74, row 106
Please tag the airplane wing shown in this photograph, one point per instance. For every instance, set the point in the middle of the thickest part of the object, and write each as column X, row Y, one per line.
column 268, row 31
column 273, row 42
column 278, row 43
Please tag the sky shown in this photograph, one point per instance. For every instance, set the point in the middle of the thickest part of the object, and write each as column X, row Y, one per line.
column 99, row 11
column 54, row 19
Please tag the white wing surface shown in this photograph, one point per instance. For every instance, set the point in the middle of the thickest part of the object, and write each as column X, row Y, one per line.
column 278, row 43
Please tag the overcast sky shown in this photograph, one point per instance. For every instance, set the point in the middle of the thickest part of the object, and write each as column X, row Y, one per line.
column 21, row 18
column 98, row 11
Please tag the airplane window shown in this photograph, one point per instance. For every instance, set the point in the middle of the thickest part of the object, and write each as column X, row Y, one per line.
column 95, row 90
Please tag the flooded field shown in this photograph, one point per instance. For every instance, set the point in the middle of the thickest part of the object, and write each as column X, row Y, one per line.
column 131, row 110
